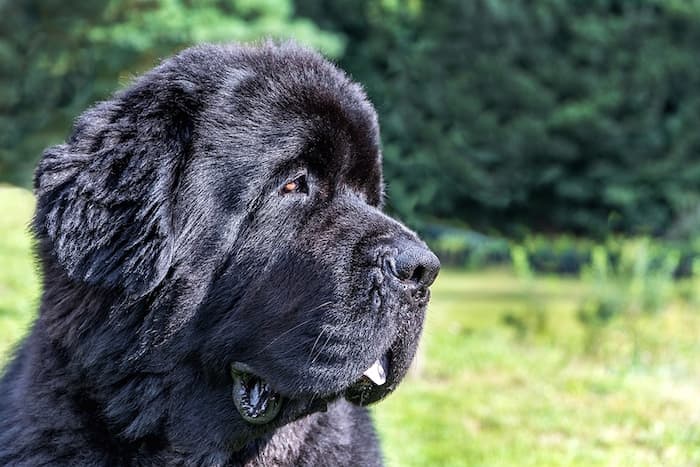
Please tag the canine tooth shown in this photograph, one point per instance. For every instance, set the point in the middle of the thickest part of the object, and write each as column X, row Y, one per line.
column 376, row 373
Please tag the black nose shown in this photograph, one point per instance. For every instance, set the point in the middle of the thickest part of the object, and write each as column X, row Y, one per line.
column 416, row 265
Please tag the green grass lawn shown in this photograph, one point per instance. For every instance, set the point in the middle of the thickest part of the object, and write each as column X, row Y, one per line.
column 19, row 285
column 483, row 394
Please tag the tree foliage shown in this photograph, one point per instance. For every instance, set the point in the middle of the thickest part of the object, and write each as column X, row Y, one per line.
column 578, row 116
column 58, row 58
column 501, row 115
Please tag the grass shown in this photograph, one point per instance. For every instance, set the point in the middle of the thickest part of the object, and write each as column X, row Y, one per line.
column 484, row 396
column 19, row 284
column 482, row 393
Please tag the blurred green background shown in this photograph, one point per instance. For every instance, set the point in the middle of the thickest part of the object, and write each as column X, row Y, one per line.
column 548, row 150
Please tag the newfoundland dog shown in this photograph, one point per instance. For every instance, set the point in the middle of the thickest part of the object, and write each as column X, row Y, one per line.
column 220, row 285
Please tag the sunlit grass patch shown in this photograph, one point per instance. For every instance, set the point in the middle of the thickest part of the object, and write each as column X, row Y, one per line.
column 483, row 396
column 19, row 285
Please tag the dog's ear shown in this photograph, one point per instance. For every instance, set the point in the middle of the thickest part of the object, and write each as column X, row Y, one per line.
column 105, row 198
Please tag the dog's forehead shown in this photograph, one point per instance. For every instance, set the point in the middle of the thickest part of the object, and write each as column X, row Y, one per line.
column 290, row 107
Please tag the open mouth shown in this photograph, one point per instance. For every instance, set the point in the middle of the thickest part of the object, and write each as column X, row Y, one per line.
column 258, row 403
column 253, row 397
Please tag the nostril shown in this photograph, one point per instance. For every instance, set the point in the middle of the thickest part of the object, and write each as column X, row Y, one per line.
column 418, row 273
column 417, row 265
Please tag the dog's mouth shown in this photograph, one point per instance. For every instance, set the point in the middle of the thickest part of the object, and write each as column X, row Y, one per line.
column 258, row 403
column 254, row 399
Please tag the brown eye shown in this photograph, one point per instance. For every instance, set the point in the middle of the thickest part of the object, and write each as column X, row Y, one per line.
column 298, row 185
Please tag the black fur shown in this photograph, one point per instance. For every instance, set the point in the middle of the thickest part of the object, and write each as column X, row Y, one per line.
column 169, row 250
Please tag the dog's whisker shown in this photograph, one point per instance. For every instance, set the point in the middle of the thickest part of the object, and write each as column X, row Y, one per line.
column 313, row 347
column 269, row 344
column 308, row 320
column 322, row 348
column 338, row 328
column 318, row 307
column 286, row 353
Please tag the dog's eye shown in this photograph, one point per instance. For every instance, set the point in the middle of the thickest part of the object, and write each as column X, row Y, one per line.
column 298, row 185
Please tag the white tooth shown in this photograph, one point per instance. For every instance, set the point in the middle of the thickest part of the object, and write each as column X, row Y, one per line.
column 376, row 373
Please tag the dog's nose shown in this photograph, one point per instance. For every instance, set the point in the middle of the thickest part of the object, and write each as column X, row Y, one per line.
column 416, row 265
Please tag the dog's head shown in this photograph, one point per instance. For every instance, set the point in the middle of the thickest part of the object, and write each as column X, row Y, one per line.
column 222, row 220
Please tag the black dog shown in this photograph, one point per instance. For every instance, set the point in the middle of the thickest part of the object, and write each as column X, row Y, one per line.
column 220, row 284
